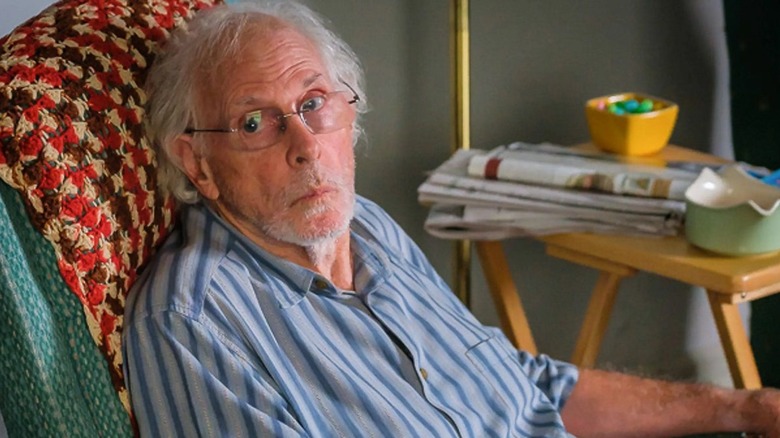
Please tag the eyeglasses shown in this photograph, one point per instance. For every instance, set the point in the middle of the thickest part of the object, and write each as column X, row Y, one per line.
column 321, row 114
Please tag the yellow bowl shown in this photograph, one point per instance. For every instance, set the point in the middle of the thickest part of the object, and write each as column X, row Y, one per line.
column 630, row 134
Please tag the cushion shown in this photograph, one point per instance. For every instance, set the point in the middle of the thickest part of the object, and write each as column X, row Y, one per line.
column 72, row 144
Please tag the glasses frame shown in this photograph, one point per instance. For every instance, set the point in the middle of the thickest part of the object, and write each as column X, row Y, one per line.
column 281, row 117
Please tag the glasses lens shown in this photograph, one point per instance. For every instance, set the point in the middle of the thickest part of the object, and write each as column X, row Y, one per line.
column 259, row 128
column 333, row 113
column 322, row 114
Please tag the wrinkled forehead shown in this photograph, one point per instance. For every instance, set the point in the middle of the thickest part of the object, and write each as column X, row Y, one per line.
column 265, row 50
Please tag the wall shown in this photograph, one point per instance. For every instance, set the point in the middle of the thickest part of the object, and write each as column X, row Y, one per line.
column 534, row 63
column 15, row 12
column 533, row 66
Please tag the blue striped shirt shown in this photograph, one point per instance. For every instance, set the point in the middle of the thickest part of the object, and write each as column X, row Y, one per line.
column 223, row 339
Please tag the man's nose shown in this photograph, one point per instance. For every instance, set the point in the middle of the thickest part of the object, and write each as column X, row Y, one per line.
column 303, row 145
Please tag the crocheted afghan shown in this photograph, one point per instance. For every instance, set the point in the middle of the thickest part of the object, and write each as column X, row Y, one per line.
column 72, row 143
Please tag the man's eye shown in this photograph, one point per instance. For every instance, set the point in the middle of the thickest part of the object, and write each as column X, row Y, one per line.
column 312, row 104
column 252, row 122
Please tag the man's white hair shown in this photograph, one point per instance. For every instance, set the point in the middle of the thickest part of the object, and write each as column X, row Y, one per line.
column 194, row 59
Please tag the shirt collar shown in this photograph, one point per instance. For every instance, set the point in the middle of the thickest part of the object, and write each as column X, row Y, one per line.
column 370, row 264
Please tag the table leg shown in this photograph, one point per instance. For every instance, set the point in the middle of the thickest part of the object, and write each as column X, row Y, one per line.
column 502, row 287
column 736, row 344
column 596, row 319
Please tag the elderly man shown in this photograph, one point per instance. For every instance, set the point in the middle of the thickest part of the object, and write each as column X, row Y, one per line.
column 285, row 305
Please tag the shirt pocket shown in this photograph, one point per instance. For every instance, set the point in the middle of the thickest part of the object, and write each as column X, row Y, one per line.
column 500, row 368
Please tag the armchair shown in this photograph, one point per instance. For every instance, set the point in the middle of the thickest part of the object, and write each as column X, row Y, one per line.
column 79, row 211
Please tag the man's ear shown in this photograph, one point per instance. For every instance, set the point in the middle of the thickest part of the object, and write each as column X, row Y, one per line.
column 195, row 166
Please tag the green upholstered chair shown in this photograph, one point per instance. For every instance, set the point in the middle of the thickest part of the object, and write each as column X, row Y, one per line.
column 53, row 379
column 79, row 213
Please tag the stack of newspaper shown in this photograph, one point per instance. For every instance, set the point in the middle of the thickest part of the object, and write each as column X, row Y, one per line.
column 536, row 189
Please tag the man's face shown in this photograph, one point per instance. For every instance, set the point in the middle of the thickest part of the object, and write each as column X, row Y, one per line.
column 300, row 190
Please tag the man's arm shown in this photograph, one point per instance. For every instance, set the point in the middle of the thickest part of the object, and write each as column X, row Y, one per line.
column 608, row 404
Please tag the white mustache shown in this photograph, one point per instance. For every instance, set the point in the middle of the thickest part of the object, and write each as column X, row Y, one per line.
column 310, row 179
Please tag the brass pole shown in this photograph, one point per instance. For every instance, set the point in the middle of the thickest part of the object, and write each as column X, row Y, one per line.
column 462, row 135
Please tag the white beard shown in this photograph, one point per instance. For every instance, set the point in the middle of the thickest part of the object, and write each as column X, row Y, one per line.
column 317, row 241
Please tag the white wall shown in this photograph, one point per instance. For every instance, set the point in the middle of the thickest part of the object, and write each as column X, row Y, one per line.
column 534, row 63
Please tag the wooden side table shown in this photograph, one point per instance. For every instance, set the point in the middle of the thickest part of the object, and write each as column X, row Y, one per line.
column 727, row 280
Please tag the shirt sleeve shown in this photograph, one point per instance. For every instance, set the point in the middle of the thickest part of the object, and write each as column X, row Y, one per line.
column 553, row 377
column 185, row 382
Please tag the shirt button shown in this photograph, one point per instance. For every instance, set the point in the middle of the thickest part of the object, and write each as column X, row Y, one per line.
column 424, row 373
column 320, row 283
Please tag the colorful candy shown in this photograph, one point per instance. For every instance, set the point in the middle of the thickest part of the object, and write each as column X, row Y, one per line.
column 631, row 106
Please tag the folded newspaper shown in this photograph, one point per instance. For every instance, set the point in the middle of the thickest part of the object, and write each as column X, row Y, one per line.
column 548, row 164
column 532, row 190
